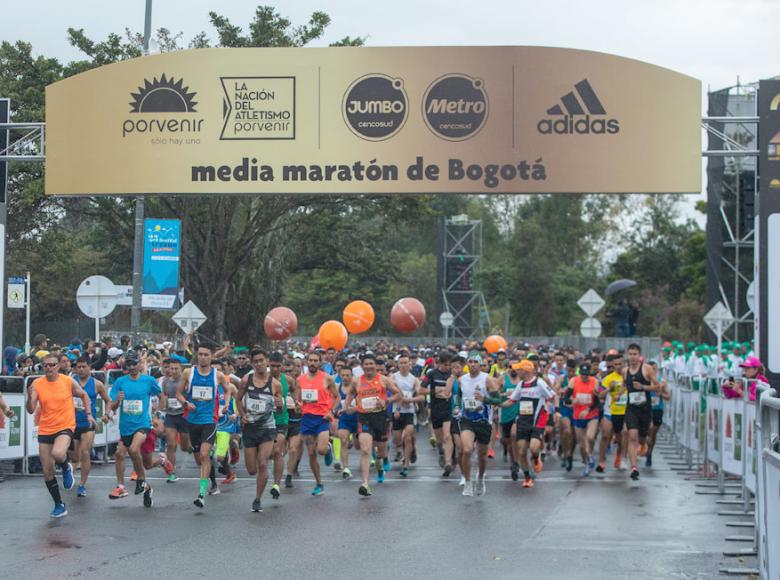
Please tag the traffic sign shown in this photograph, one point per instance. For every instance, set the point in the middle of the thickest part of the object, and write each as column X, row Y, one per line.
column 719, row 318
column 96, row 297
column 17, row 287
column 189, row 317
column 591, row 302
column 446, row 319
column 590, row 328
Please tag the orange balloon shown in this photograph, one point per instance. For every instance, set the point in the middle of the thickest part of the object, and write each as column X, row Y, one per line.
column 333, row 334
column 494, row 343
column 358, row 316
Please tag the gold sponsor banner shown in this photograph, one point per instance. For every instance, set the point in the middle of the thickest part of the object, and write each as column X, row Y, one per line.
column 374, row 120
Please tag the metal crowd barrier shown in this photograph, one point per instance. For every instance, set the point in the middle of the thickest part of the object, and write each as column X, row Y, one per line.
column 768, row 496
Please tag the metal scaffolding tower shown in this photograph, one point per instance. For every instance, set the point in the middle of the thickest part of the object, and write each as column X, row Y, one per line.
column 461, row 245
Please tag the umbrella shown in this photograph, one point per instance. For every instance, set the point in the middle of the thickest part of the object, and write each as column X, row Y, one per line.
column 619, row 285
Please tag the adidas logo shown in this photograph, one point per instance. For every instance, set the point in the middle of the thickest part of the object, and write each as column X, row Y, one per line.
column 573, row 114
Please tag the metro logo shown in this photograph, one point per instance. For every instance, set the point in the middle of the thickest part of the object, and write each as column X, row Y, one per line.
column 584, row 114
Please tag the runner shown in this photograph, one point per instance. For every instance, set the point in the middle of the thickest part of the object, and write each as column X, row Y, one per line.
column 613, row 424
column 456, row 406
column 294, row 438
column 176, row 426
column 531, row 394
column 348, row 422
column 84, row 436
column 198, row 393
column 435, row 385
column 370, row 391
column 566, row 412
column 639, row 379
column 658, row 400
column 54, row 393
column 320, row 399
column 132, row 394
column 507, row 419
column 291, row 402
column 585, row 396
column 227, row 425
column 475, row 422
column 404, row 412
column 259, row 394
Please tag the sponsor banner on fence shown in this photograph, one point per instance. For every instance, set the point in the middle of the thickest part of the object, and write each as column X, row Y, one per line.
column 12, row 430
column 713, row 429
column 503, row 119
column 748, row 442
column 732, row 424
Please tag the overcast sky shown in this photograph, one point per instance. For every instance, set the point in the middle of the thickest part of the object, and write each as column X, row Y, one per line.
column 716, row 41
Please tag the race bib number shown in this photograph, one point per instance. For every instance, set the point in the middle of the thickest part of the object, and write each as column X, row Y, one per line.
column 78, row 403
column 289, row 402
column 656, row 399
column 132, row 407
column 526, row 407
column 637, row 398
column 622, row 401
column 472, row 404
column 584, row 398
column 256, row 406
column 370, row 403
column 174, row 404
column 309, row 395
column 202, row 393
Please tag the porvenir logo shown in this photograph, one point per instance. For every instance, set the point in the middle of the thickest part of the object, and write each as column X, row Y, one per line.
column 580, row 112
column 164, row 95
column 455, row 106
column 375, row 107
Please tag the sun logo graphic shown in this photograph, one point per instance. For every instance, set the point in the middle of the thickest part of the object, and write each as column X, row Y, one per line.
column 162, row 97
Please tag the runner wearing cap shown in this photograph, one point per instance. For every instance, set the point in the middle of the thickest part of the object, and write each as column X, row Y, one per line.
column 585, row 395
column 613, row 424
column 508, row 416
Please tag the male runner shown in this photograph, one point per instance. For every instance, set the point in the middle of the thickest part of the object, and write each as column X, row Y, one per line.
column 585, row 396
column 613, row 424
column 456, row 406
column 176, row 425
column 227, row 425
column 435, row 385
column 294, row 439
column 566, row 412
column 319, row 401
column 54, row 393
column 291, row 402
column 198, row 393
column 348, row 422
column 84, row 437
column 658, row 401
column 371, row 392
column 640, row 379
column 508, row 417
column 132, row 394
column 259, row 394
column 403, row 411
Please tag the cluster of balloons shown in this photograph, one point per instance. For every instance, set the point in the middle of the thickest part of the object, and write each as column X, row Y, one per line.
column 407, row 315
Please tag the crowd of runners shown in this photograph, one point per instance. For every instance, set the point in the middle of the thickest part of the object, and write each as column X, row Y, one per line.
column 350, row 410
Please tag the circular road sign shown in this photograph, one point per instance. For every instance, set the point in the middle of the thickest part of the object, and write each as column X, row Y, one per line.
column 96, row 296
column 446, row 319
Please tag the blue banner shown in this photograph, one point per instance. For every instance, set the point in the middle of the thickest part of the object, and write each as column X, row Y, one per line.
column 162, row 251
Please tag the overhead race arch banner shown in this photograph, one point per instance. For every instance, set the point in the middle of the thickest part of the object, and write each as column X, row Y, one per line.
column 380, row 120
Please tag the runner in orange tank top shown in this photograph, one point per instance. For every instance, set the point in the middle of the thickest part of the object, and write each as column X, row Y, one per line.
column 53, row 394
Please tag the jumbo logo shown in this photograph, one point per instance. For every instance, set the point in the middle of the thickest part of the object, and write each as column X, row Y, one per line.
column 166, row 95
column 375, row 107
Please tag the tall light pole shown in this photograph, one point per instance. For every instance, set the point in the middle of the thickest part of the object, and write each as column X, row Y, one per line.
column 138, row 249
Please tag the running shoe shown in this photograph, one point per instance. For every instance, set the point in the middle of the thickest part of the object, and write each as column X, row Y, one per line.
column 591, row 462
column 569, row 463
column 380, row 476
column 59, row 510
column 481, row 487
column 337, row 466
column 166, row 465
column 67, row 476
column 386, row 464
column 235, row 456
column 329, row 455
column 275, row 491
column 365, row 491
column 148, row 492
column 398, row 456
column 200, row 501
column 172, row 478
column 214, row 489
column 139, row 486
column 515, row 471
column 257, row 506
column 634, row 474
column 319, row 489
column 462, row 481
column 617, row 462
column 538, row 465
column 528, row 482
column 491, row 453
column 413, row 458
column 133, row 476
column 404, row 472
column 81, row 491
column 586, row 471
column 649, row 460
column 432, row 441
column 468, row 489
column 600, row 468
column 447, row 471
column 288, row 481
column 346, row 473
column 230, row 478
column 117, row 492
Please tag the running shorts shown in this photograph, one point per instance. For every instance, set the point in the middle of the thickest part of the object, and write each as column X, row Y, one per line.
column 506, row 430
column 177, row 422
column 566, row 412
column 526, row 432
column 314, row 424
column 658, row 417
column 404, row 420
column 439, row 416
column 81, row 430
column 482, row 430
column 255, row 435
column 348, row 422
column 375, row 424
column 617, row 423
column 200, row 434
column 49, row 439
column 127, row 440
column 293, row 429
column 639, row 417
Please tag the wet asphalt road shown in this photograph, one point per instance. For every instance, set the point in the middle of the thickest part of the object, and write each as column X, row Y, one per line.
column 565, row 527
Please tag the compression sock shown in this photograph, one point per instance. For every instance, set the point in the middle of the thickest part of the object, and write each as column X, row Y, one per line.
column 337, row 448
column 54, row 490
column 204, row 485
